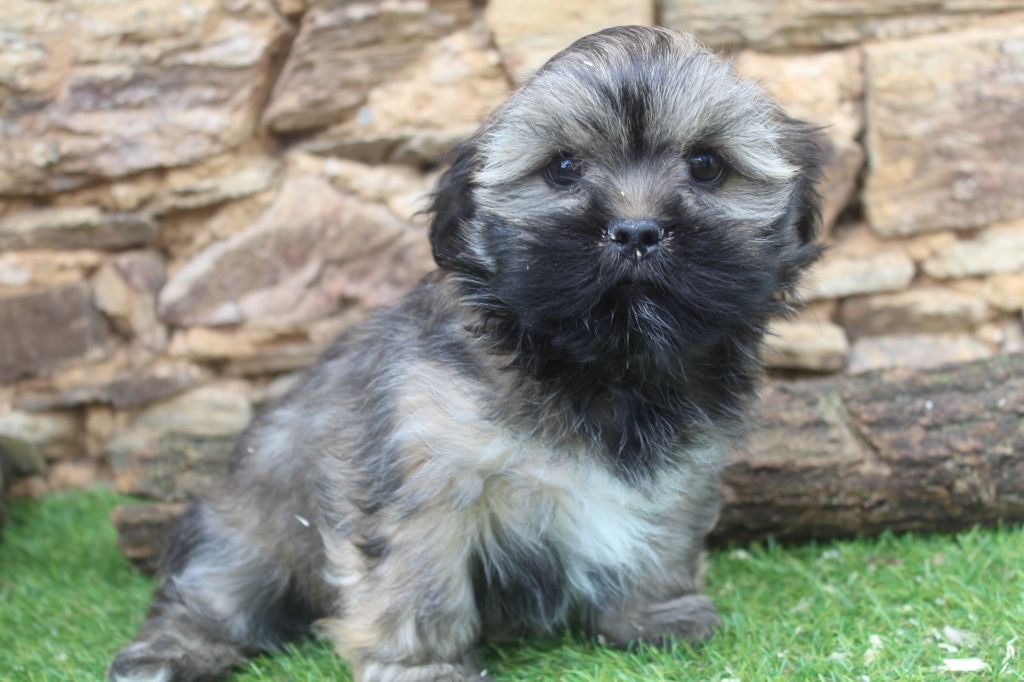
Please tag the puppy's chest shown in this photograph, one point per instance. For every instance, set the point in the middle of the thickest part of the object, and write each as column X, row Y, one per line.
column 567, row 517
column 512, row 487
column 552, row 533
column 546, row 525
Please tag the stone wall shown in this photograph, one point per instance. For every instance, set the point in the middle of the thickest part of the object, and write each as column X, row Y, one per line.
column 196, row 196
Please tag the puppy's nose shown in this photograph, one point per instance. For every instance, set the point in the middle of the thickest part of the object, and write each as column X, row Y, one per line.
column 635, row 239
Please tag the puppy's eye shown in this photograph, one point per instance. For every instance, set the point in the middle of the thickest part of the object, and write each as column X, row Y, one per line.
column 706, row 167
column 564, row 171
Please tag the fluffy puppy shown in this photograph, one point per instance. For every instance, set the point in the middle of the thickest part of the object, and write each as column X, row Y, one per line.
column 532, row 437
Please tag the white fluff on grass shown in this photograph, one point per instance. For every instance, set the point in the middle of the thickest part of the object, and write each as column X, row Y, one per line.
column 964, row 665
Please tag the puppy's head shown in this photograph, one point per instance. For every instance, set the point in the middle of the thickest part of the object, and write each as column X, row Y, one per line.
column 634, row 197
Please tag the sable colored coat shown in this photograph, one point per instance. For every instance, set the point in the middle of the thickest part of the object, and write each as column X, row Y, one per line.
column 532, row 437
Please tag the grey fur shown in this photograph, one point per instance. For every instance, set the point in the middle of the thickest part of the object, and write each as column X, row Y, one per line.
column 429, row 483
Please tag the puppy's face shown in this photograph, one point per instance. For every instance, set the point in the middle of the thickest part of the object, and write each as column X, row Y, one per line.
column 634, row 197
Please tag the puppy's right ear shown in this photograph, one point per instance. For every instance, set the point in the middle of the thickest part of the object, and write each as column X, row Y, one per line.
column 452, row 206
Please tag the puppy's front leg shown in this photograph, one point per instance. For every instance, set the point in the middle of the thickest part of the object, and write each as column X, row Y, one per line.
column 668, row 603
column 690, row 618
column 408, row 613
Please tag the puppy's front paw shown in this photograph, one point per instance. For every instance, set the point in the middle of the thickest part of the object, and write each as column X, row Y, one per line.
column 691, row 618
column 174, row 658
column 140, row 664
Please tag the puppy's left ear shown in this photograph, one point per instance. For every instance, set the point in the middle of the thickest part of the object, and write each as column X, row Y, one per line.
column 808, row 151
column 805, row 150
column 452, row 207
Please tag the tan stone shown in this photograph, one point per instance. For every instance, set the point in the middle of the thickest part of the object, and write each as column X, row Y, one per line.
column 184, row 234
column 66, row 476
column 945, row 129
column 83, row 227
column 857, row 240
column 207, row 411
column 190, row 188
column 174, row 449
column 375, row 182
column 402, row 188
column 278, row 359
column 128, row 194
column 423, row 112
column 816, row 312
column 31, row 487
column 101, row 423
column 994, row 251
column 32, row 439
column 1005, row 292
column 529, row 32
column 110, row 383
column 291, row 8
column 45, row 329
column 227, row 176
column 971, row 287
column 838, row 187
column 838, row 276
column 284, row 270
column 992, row 334
column 125, row 288
column 123, row 194
column 826, row 89
column 805, row 346
column 249, row 352
column 91, row 89
column 112, row 294
column 915, row 351
column 1012, row 337
column 924, row 246
column 86, row 371
column 929, row 309
column 216, row 345
column 379, row 279
column 344, row 49
column 783, row 24
column 412, row 207
column 276, row 388
column 24, row 270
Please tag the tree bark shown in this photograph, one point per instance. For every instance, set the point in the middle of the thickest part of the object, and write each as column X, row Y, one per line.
column 939, row 449
column 141, row 529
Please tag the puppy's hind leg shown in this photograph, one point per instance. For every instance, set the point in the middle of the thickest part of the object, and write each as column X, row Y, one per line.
column 219, row 603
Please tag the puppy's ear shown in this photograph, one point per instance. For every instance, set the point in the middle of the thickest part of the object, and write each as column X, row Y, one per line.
column 452, row 206
column 807, row 150
column 804, row 148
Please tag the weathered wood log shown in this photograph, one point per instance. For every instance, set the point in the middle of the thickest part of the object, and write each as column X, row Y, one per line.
column 141, row 530
column 938, row 449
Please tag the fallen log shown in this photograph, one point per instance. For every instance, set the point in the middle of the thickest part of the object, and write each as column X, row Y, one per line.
column 939, row 449
column 141, row 529
column 905, row 450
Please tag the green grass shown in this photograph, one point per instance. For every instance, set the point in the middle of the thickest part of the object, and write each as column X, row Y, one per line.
column 861, row 610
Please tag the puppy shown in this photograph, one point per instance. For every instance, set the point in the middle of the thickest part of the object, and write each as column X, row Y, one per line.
column 533, row 437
